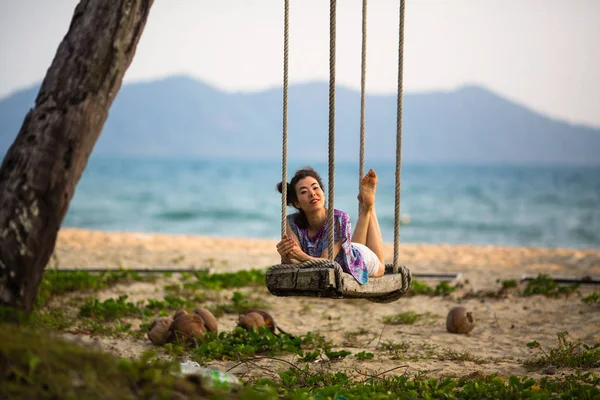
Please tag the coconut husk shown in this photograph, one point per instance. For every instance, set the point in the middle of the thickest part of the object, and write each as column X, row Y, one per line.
column 188, row 327
column 159, row 332
column 210, row 322
column 251, row 321
column 459, row 321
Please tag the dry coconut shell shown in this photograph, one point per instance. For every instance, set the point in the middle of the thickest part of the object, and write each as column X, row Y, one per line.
column 210, row 322
column 255, row 318
column 251, row 321
column 179, row 314
column 459, row 321
column 159, row 332
column 188, row 326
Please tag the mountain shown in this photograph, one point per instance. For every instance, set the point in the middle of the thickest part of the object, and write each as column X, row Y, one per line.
column 183, row 117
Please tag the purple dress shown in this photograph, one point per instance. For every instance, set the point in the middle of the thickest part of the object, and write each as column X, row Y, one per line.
column 349, row 258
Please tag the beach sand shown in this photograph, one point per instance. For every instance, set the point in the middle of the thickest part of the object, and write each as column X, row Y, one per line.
column 498, row 344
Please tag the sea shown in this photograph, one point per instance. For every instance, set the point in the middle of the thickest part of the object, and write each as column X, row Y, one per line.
column 536, row 206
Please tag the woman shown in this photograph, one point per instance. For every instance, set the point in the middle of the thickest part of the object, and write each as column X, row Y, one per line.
column 360, row 255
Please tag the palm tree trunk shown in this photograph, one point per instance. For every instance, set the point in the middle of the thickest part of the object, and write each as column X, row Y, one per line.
column 41, row 169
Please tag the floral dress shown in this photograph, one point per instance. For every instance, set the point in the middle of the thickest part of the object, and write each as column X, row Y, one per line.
column 349, row 258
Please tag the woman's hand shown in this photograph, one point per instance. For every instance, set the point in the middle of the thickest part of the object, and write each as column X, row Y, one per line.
column 289, row 250
column 284, row 247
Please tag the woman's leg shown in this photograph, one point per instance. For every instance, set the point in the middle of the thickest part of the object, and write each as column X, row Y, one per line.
column 361, row 229
column 374, row 237
column 375, row 242
column 367, row 229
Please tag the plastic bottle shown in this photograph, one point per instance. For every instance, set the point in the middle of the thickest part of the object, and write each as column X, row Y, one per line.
column 212, row 378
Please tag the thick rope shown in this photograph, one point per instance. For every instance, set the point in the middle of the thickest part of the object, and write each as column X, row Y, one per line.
column 285, row 119
column 396, row 294
column 318, row 262
column 399, row 136
column 363, row 73
column 330, row 228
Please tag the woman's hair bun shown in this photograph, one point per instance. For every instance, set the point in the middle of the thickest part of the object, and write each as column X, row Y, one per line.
column 280, row 187
column 291, row 195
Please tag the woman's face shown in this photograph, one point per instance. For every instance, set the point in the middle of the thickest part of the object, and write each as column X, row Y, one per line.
column 310, row 195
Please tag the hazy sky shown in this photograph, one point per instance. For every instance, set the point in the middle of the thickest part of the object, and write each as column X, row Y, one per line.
column 542, row 53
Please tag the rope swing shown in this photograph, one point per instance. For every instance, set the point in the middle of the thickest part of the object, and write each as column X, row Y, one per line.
column 325, row 278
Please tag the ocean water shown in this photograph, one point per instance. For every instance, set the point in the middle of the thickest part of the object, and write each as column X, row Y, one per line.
column 495, row 205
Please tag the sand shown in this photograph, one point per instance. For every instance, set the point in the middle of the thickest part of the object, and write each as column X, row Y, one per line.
column 498, row 344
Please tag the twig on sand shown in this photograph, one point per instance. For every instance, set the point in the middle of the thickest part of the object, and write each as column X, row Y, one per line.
column 430, row 371
column 496, row 319
column 236, row 365
column 381, row 373
column 380, row 334
column 250, row 360
column 250, row 364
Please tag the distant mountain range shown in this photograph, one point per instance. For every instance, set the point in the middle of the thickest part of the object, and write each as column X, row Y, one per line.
column 183, row 117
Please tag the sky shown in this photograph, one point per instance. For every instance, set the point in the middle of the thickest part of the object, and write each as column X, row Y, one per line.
column 544, row 54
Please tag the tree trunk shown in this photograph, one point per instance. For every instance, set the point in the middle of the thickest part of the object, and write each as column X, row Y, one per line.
column 41, row 169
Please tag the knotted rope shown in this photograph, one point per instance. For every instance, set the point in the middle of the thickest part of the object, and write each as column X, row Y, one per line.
column 399, row 136
column 286, row 31
column 363, row 73
column 330, row 228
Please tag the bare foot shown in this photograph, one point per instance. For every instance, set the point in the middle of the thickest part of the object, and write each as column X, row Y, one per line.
column 368, row 186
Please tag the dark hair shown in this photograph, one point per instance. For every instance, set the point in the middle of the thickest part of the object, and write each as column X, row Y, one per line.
column 292, row 197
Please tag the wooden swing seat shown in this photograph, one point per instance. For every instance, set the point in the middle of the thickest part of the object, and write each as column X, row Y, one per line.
column 325, row 278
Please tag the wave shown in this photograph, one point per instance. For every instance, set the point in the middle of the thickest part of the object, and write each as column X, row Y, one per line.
column 472, row 226
column 229, row 214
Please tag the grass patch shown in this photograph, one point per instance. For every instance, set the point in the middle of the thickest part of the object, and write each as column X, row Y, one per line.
column 109, row 310
column 56, row 282
column 364, row 356
column 302, row 383
column 193, row 286
column 98, row 317
column 34, row 365
column 55, row 319
column 508, row 284
column 593, row 298
column 419, row 288
column 188, row 291
column 351, row 337
column 565, row 354
column 240, row 343
column 452, row 355
column 405, row 318
column 400, row 351
column 239, row 303
column 396, row 351
column 168, row 304
column 544, row 284
column 243, row 278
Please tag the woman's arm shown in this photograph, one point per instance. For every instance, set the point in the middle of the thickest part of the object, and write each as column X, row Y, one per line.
column 301, row 256
column 294, row 254
column 337, row 245
column 336, row 249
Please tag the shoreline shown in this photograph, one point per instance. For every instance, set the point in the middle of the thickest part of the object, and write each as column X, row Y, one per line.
column 482, row 265
column 149, row 235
